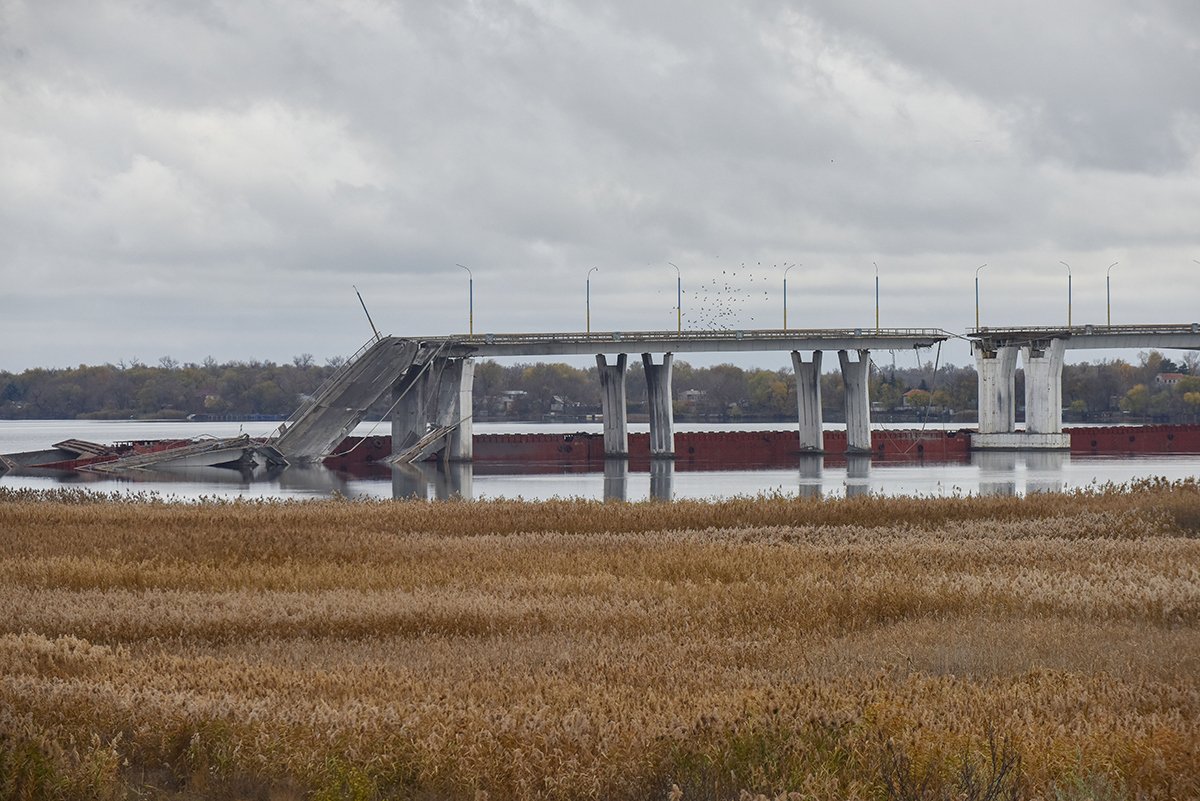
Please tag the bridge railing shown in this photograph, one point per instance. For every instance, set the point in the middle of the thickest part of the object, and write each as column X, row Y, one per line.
column 1085, row 330
column 319, row 394
column 608, row 337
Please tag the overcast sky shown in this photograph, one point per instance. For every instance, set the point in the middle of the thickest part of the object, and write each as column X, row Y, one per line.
column 211, row 178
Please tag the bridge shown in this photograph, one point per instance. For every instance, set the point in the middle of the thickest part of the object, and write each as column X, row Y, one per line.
column 1042, row 350
column 431, row 380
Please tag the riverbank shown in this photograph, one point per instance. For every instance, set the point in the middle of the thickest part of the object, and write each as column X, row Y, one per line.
column 571, row 649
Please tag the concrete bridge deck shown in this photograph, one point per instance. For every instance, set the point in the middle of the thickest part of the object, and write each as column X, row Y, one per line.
column 589, row 344
column 1093, row 337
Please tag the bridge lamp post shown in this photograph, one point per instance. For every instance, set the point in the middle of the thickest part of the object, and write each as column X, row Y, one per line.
column 1064, row 264
column 678, row 299
column 1108, row 291
column 876, row 297
column 785, row 272
column 470, row 299
column 589, row 298
column 977, row 269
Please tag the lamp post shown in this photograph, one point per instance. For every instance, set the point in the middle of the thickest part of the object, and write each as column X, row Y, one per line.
column 1064, row 264
column 678, row 300
column 470, row 299
column 785, row 272
column 977, row 269
column 589, row 298
column 876, row 297
column 1108, row 291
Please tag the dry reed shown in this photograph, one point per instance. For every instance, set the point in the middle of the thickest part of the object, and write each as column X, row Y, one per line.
column 1041, row 647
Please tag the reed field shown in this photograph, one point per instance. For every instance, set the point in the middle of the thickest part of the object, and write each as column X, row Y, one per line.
column 765, row 648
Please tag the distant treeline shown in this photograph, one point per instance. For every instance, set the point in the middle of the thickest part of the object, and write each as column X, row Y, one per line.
column 1155, row 389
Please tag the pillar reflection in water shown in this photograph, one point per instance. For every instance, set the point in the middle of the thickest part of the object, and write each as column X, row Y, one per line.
column 452, row 480
column 662, row 479
column 858, row 474
column 312, row 478
column 616, row 479
column 812, row 466
column 997, row 472
column 449, row 480
column 1044, row 470
column 409, row 481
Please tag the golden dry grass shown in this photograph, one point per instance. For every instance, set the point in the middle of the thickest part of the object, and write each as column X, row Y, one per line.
column 858, row 648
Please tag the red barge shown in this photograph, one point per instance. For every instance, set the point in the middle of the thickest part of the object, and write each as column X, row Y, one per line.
column 584, row 452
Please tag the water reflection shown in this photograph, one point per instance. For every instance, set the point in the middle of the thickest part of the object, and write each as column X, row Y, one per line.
column 997, row 472
column 812, row 466
column 1045, row 470
column 441, row 481
column 858, row 474
column 662, row 479
column 616, row 479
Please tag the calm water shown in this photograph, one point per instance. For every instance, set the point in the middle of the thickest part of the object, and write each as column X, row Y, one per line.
column 989, row 473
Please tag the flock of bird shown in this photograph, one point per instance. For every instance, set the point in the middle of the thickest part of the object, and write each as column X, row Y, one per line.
column 722, row 304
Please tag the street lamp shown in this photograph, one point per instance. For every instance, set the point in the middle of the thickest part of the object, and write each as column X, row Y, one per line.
column 1064, row 264
column 678, row 299
column 589, row 298
column 785, row 272
column 470, row 299
column 1108, row 290
column 977, row 269
column 876, row 297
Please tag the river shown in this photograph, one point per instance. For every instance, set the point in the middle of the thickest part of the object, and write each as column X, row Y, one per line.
column 985, row 473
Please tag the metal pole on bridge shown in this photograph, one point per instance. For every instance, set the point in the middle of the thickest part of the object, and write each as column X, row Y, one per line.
column 470, row 299
column 977, row 269
column 678, row 299
column 1108, row 291
column 589, row 298
column 876, row 297
column 1064, row 264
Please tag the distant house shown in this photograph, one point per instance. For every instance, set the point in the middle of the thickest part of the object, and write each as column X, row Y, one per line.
column 915, row 397
column 1170, row 379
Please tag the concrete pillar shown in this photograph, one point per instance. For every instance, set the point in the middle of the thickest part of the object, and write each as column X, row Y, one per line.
column 1043, row 388
column 997, row 370
column 410, row 416
column 808, row 399
column 456, row 382
column 612, row 404
column 858, row 401
column 659, row 401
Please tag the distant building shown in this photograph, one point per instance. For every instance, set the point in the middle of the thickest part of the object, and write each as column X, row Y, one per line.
column 1170, row 379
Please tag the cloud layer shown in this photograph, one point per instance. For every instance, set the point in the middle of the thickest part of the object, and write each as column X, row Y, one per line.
column 212, row 178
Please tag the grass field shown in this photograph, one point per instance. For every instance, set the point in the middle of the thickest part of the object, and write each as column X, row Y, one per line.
column 1040, row 647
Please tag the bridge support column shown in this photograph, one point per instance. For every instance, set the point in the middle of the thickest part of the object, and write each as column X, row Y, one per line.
column 808, row 399
column 410, row 418
column 858, row 401
column 455, row 397
column 612, row 405
column 997, row 370
column 659, row 401
column 1043, row 388
column 440, row 394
